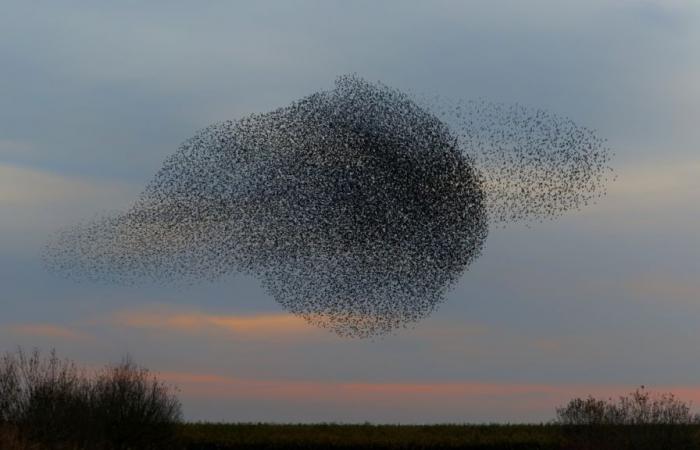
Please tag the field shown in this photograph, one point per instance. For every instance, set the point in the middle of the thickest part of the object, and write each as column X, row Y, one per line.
column 476, row 437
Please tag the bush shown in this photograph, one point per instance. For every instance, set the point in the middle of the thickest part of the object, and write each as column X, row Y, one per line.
column 133, row 409
column 48, row 401
column 637, row 408
column 637, row 421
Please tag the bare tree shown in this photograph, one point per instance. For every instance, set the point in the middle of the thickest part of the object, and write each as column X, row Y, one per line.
column 636, row 421
column 637, row 408
column 46, row 400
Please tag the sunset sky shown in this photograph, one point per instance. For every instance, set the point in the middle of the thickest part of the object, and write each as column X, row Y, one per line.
column 94, row 98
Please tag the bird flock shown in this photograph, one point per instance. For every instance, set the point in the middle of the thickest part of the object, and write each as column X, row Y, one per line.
column 357, row 208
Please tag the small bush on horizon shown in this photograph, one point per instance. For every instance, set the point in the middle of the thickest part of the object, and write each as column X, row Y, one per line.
column 638, row 421
column 637, row 408
column 51, row 402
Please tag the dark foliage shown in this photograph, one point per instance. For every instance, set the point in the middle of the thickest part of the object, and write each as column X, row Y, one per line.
column 52, row 403
column 429, row 437
column 637, row 408
column 638, row 420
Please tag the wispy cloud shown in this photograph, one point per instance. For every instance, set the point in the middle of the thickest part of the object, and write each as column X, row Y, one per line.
column 652, row 194
column 254, row 325
column 30, row 187
column 428, row 394
column 658, row 179
column 666, row 289
column 48, row 330
column 202, row 384
column 35, row 203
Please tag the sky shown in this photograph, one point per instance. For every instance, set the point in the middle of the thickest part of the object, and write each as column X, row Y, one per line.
column 95, row 95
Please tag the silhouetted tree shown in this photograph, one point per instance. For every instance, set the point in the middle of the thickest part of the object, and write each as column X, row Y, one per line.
column 133, row 408
column 636, row 408
column 51, row 402
column 637, row 421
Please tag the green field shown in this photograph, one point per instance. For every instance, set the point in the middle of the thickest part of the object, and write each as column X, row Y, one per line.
column 207, row 436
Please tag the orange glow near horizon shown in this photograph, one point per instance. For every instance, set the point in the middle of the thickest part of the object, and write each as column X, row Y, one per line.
column 251, row 325
column 516, row 396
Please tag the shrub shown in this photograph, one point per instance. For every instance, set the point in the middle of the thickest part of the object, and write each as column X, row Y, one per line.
column 636, row 421
column 52, row 402
column 132, row 409
column 637, row 408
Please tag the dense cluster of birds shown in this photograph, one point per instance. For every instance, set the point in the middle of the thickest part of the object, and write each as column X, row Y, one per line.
column 357, row 208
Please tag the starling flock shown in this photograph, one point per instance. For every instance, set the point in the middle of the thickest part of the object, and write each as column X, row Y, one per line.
column 356, row 208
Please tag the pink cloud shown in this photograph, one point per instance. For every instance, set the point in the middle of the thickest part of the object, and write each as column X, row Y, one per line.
column 515, row 397
column 48, row 330
column 257, row 325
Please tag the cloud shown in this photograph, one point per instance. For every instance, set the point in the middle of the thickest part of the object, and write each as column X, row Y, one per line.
column 29, row 187
column 36, row 203
column 651, row 195
column 283, row 325
column 253, row 326
column 221, row 386
column 665, row 289
column 48, row 330
column 658, row 179
column 428, row 398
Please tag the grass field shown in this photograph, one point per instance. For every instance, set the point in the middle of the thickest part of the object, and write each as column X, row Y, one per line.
column 483, row 437
column 208, row 436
